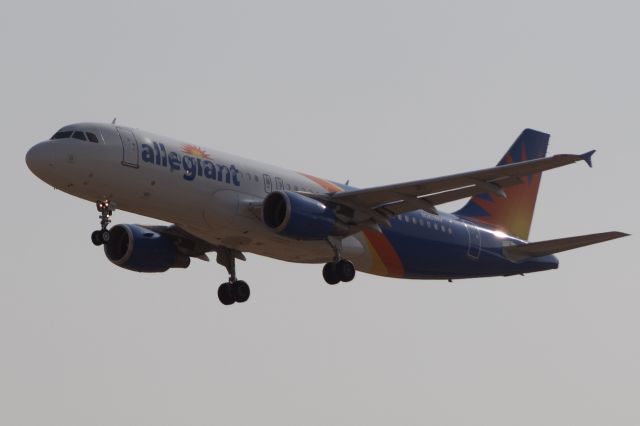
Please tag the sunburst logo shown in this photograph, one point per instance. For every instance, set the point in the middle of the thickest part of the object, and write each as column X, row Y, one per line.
column 195, row 151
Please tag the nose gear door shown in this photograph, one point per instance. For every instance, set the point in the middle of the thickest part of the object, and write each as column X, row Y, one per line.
column 129, row 148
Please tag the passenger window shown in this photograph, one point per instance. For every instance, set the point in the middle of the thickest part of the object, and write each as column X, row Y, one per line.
column 79, row 135
column 92, row 137
column 61, row 135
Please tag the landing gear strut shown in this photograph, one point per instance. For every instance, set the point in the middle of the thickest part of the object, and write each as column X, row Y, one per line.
column 340, row 269
column 102, row 236
column 233, row 290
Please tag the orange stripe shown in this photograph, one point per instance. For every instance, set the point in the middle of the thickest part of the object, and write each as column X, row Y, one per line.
column 386, row 252
column 377, row 266
column 330, row 187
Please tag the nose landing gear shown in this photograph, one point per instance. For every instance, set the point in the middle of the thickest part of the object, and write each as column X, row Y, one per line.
column 233, row 290
column 102, row 236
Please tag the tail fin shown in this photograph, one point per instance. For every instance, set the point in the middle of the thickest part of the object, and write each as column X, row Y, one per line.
column 513, row 213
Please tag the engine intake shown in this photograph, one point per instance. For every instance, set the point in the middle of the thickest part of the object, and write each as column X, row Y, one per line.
column 297, row 216
column 140, row 249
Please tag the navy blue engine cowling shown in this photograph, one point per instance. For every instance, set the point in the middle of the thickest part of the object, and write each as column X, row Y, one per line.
column 140, row 249
column 296, row 216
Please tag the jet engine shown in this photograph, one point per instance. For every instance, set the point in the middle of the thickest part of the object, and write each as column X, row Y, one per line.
column 297, row 216
column 140, row 249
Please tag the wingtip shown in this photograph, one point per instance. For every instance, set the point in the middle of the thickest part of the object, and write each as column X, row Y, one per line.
column 587, row 157
column 617, row 234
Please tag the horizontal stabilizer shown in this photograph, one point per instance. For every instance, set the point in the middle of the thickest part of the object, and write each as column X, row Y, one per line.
column 544, row 248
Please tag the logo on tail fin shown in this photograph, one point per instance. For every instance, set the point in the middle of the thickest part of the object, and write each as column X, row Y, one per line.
column 512, row 214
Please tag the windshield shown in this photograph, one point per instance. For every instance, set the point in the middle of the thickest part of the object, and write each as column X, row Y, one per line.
column 83, row 136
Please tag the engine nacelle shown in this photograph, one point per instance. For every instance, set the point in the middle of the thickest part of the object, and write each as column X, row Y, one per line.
column 140, row 249
column 296, row 216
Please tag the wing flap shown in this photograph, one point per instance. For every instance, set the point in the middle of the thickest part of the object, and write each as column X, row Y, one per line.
column 544, row 248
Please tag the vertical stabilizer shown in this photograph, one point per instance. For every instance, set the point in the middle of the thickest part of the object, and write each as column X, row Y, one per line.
column 512, row 214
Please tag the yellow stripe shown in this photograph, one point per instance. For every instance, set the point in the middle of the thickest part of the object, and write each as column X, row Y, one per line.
column 377, row 265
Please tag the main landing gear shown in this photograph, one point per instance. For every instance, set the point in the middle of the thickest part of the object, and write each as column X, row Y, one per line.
column 233, row 290
column 103, row 235
column 340, row 269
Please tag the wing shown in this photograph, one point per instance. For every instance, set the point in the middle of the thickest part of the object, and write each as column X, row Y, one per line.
column 372, row 206
column 190, row 245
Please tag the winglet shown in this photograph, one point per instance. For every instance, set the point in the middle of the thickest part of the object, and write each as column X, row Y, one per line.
column 587, row 157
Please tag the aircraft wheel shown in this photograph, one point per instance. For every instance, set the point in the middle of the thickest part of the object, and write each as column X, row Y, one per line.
column 330, row 274
column 96, row 238
column 240, row 291
column 345, row 270
column 225, row 294
column 105, row 236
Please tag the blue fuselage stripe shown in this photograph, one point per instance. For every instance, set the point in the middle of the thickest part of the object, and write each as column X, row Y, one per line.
column 445, row 246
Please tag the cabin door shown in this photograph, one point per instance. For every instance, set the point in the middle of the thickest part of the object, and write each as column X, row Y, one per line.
column 475, row 242
column 129, row 148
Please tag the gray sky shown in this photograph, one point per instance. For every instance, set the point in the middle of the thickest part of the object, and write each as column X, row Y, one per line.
column 367, row 91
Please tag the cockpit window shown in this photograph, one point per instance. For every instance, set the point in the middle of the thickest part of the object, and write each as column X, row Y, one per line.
column 79, row 135
column 62, row 135
column 92, row 137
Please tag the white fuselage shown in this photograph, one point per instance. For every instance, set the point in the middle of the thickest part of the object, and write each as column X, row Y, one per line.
column 208, row 193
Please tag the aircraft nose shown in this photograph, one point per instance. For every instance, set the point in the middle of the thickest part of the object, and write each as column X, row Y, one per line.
column 38, row 158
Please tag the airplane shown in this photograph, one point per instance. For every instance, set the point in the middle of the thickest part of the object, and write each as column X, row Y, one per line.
column 222, row 203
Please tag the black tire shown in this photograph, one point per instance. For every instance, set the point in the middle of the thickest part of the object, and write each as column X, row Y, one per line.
column 96, row 238
column 330, row 274
column 240, row 291
column 225, row 294
column 105, row 236
column 345, row 270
